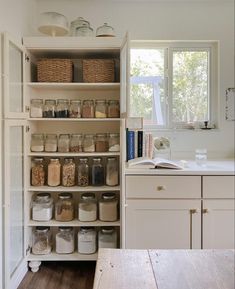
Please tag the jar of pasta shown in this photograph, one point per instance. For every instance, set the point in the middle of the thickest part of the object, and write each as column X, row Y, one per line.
column 38, row 172
column 68, row 173
column 83, row 172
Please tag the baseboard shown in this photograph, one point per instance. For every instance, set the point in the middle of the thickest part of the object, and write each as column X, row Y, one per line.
column 18, row 275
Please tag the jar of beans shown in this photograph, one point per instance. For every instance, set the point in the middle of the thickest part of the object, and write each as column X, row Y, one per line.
column 88, row 109
column 76, row 143
column 38, row 172
column 101, row 143
column 68, row 173
column 113, row 109
column 97, row 175
column 83, row 172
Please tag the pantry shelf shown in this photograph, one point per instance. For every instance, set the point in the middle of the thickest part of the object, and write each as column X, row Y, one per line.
column 82, row 154
column 74, row 86
column 74, row 189
column 74, row 223
column 63, row 257
column 75, row 119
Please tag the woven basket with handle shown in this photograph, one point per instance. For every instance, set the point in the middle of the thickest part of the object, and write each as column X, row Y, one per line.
column 98, row 70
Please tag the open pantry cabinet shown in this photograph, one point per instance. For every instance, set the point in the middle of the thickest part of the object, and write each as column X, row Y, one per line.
column 20, row 86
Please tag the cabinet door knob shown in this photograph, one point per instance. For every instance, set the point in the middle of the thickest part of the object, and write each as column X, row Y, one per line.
column 194, row 211
column 161, row 188
column 206, row 211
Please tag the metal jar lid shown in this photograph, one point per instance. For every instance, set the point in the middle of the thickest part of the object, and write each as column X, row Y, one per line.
column 42, row 229
column 108, row 196
column 43, row 197
column 88, row 196
column 65, row 196
column 87, row 229
column 65, row 229
column 107, row 230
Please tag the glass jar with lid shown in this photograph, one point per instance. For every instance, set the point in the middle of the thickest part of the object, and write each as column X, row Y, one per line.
column 49, row 108
column 37, row 142
column 87, row 208
column 53, row 175
column 68, row 172
column 88, row 109
column 101, row 142
column 84, row 30
column 80, row 21
column 113, row 109
column 114, row 142
column 64, row 240
column 64, row 207
column 41, row 243
column 87, row 240
column 108, row 207
column 36, row 108
column 107, row 237
column 89, row 143
column 83, row 172
column 75, row 109
column 62, row 108
column 112, row 172
column 63, row 143
column 51, row 143
column 38, row 172
column 105, row 31
column 100, row 109
column 97, row 172
column 42, row 207
column 76, row 143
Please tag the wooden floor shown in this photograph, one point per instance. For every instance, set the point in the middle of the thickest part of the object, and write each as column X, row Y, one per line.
column 61, row 275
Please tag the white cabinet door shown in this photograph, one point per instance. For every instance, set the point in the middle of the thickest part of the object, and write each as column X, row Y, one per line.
column 218, row 224
column 163, row 224
column 13, row 200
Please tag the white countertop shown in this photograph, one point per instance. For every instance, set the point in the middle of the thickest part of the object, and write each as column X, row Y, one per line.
column 213, row 167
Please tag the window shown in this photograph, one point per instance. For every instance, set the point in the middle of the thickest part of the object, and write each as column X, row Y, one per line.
column 173, row 84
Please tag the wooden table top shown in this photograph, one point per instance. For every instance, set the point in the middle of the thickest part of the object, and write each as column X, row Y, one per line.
column 165, row 269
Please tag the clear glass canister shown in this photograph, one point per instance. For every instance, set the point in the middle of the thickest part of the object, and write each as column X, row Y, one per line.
column 108, row 207
column 37, row 142
column 97, row 173
column 84, row 30
column 42, row 243
column 36, row 108
column 105, row 31
column 89, row 143
column 51, row 143
column 112, row 172
column 62, row 108
column 53, row 175
column 88, row 109
column 101, row 142
column 76, row 143
column 64, row 240
column 87, row 208
column 63, row 143
column 38, row 172
column 107, row 238
column 83, row 172
column 100, row 109
column 68, row 173
column 49, row 108
column 80, row 21
column 114, row 142
column 87, row 240
column 42, row 207
column 113, row 109
column 75, row 109
column 64, row 207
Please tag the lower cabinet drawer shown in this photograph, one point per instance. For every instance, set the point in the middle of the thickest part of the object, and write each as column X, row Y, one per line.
column 218, row 187
column 173, row 187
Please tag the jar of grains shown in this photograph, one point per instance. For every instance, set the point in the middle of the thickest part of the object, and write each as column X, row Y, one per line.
column 97, row 173
column 51, row 143
column 68, row 173
column 53, row 174
column 108, row 207
column 83, row 172
column 62, row 108
column 107, row 238
column 64, row 208
column 100, row 109
column 41, row 244
column 112, row 172
column 76, row 143
column 63, row 143
column 64, row 240
column 87, row 208
column 36, row 108
column 38, row 172
column 113, row 109
column 114, row 142
column 37, row 142
column 101, row 143
column 88, row 109
column 49, row 108
column 75, row 109
column 42, row 207
column 89, row 143
column 87, row 240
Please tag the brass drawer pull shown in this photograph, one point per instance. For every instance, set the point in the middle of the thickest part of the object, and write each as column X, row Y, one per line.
column 161, row 188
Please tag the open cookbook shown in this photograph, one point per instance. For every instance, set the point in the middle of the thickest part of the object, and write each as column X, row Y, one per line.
column 157, row 163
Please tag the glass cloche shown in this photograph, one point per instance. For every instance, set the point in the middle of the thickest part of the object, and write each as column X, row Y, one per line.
column 105, row 31
column 53, row 24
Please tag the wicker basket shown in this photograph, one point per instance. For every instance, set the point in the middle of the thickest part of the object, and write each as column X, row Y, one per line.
column 98, row 70
column 55, row 70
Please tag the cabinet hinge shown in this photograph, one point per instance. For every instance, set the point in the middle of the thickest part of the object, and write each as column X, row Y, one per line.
column 27, row 108
column 28, row 250
column 26, row 58
column 27, row 128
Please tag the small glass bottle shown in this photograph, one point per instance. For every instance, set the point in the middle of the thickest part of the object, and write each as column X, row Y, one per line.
column 114, row 142
column 83, row 172
column 36, row 108
column 100, row 109
column 51, row 143
column 108, row 207
column 97, row 174
column 64, row 208
column 87, row 208
column 76, row 143
column 88, row 109
column 87, row 240
column 107, row 238
column 62, row 108
column 41, row 244
column 38, row 172
column 49, row 108
column 53, row 178
column 68, row 173
column 89, row 143
column 113, row 109
column 75, row 109
column 112, row 172
column 37, row 142
column 64, row 240
column 63, row 143
column 101, row 143
column 42, row 207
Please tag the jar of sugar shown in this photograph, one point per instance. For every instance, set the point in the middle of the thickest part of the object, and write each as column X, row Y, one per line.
column 65, row 240
column 87, row 240
column 87, row 208
column 42, row 207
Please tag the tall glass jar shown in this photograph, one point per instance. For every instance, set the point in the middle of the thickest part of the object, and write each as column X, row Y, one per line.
column 87, row 240
column 107, row 238
column 42, row 207
column 76, row 143
column 42, row 243
column 97, row 173
column 113, row 109
column 36, row 108
column 53, row 178
column 83, row 172
column 51, row 143
column 101, row 143
column 37, row 142
column 62, row 108
column 88, row 109
column 87, row 208
column 63, row 143
column 49, row 108
column 114, row 142
column 38, row 172
column 64, row 207
column 89, row 143
column 108, row 207
column 64, row 240
column 100, row 109
column 112, row 172
column 75, row 109
column 68, row 173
